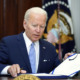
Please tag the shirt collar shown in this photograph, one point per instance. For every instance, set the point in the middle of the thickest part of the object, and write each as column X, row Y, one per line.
column 28, row 41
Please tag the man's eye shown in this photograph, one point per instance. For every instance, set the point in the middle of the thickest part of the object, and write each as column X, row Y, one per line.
column 42, row 26
column 34, row 25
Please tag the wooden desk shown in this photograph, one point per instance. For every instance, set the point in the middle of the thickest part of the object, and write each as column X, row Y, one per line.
column 6, row 78
column 11, row 78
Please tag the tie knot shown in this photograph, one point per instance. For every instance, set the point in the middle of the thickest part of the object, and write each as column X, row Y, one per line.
column 32, row 44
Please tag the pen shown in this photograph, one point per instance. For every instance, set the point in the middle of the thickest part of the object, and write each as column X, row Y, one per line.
column 74, row 56
column 21, row 69
column 20, row 72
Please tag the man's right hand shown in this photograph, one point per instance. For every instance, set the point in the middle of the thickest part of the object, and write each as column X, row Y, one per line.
column 15, row 69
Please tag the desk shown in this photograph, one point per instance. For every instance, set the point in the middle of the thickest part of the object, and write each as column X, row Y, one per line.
column 10, row 78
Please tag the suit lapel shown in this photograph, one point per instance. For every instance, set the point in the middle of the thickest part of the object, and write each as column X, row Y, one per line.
column 24, row 53
column 23, row 49
column 41, row 55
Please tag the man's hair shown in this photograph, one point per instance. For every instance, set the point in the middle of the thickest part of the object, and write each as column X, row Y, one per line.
column 36, row 10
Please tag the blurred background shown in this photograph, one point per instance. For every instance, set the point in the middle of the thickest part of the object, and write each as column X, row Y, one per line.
column 12, row 14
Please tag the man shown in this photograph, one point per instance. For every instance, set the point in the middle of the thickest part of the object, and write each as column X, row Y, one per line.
column 14, row 50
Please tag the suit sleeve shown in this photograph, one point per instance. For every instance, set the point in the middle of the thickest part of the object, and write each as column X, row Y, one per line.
column 3, row 55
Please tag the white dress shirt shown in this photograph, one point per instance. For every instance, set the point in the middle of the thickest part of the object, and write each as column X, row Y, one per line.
column 28, row 42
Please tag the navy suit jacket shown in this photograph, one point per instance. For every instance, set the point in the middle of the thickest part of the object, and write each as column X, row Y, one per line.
column 13, row 51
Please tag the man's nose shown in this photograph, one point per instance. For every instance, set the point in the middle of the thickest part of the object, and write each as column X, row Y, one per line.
column 38, row 29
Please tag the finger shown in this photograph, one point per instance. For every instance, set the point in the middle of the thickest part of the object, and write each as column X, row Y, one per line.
column 67, row 55
column 17, row 68
column 23, row 71
column 12, row 71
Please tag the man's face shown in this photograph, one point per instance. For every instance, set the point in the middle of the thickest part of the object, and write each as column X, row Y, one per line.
column 35, row 26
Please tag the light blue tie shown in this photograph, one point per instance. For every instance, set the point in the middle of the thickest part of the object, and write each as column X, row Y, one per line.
column 32, row 57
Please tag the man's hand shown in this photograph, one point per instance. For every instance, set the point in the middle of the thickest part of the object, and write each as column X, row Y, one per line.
column 15, row 69
column 67, row 55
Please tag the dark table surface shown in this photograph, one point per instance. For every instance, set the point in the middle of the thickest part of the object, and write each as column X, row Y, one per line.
column 5, row 77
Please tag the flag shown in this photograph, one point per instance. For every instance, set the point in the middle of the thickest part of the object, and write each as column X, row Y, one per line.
column 59, row 28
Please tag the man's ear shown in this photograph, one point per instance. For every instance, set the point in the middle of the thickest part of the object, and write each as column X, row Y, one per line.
column 24, row 24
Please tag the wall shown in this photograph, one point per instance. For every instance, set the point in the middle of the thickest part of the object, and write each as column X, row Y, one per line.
column 75, row 10
column 12, row 13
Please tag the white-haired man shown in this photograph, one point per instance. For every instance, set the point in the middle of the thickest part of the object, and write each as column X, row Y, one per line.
column 14, row 50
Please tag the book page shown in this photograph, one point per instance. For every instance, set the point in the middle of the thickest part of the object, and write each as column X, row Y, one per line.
column 69, row 67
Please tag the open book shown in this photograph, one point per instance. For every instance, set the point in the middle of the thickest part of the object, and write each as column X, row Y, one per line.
column 69, row 67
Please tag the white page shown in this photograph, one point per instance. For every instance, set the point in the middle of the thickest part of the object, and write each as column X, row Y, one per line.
column 42, row 74
column 68, row 67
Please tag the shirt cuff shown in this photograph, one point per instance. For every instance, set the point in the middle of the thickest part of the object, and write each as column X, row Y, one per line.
column 5, row 70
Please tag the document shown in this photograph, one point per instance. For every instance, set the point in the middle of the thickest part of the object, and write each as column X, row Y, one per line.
column 68, row 67
column 43, row 74
column 48, row 76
